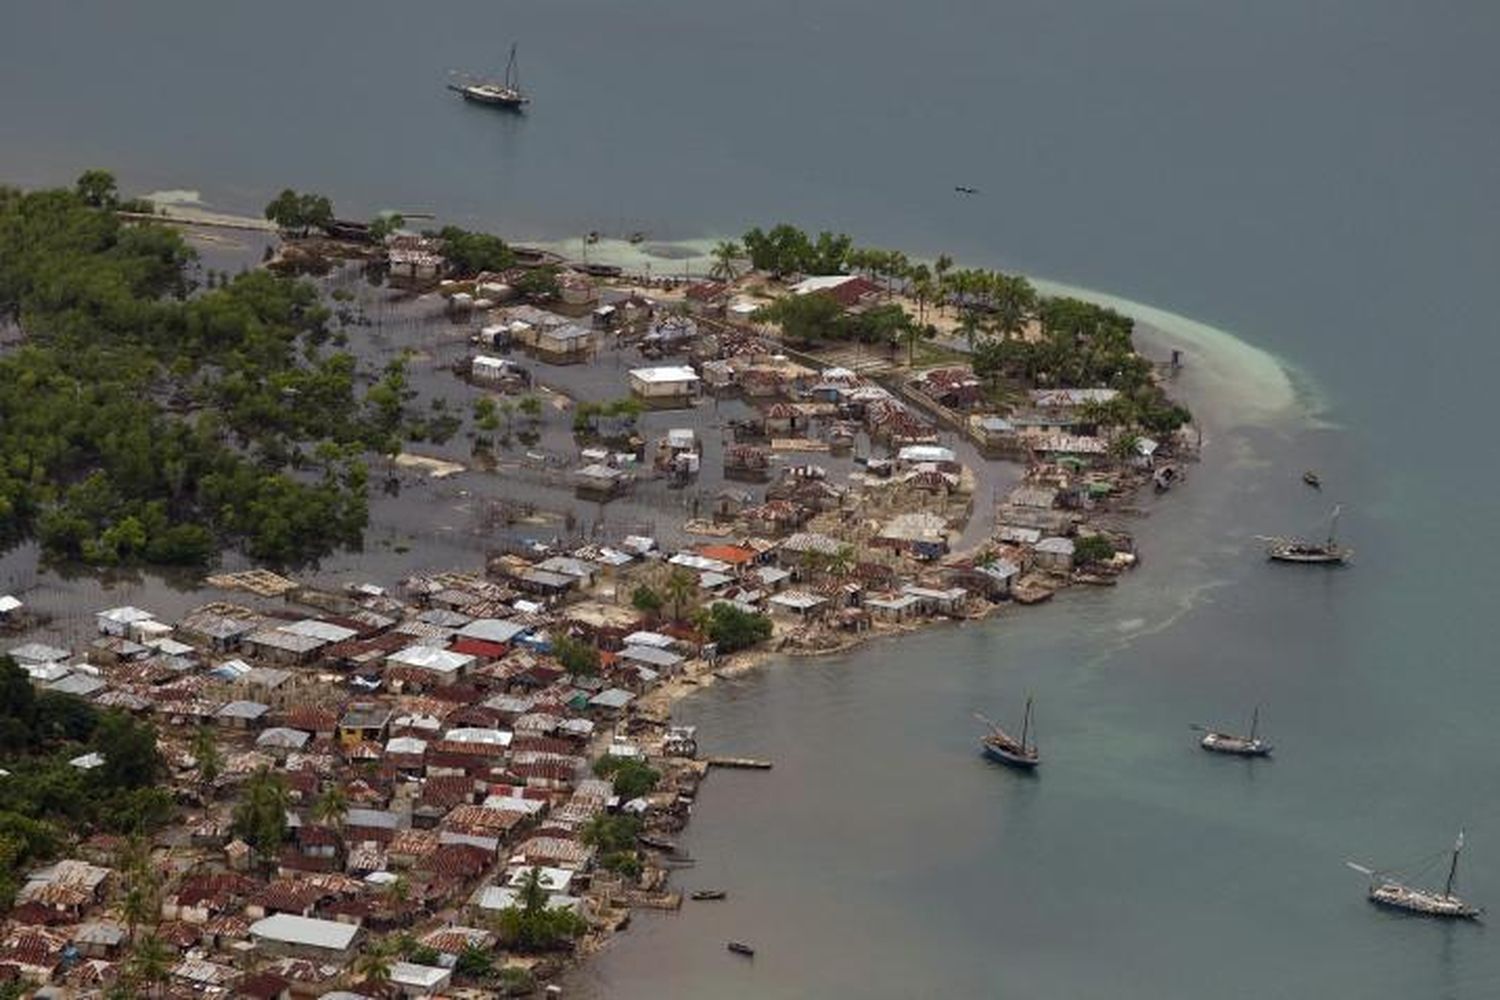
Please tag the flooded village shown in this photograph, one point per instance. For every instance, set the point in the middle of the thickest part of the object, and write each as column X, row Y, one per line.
column 446, row 766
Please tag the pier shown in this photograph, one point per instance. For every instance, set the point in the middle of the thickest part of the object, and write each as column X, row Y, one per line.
column 742, row 763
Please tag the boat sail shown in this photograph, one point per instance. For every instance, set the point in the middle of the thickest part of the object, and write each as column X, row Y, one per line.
column 504, row 95
column 1297, row 550
column 998, row 745
column 1215, row 741
column 1388, row 891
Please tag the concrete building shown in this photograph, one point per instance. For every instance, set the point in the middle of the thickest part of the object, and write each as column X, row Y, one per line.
column 305, row 937
column 665, row 385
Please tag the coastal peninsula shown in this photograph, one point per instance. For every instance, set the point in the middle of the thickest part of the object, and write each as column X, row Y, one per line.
column 465, row 774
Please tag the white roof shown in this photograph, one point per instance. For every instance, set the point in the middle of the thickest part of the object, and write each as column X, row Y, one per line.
column 37, row 652
column 320, row 630
column 925, row 453
column 613, row 698
column 88, row 761
column 1056, row 544
column 551, row 879
column 126, row 615
column 821, row 283
column 283, row 738
column 291, row 929
column 8, row 603
column 442, row 661
column 664, row 373
column 655, row 639
column 692, row 560
column 474, row 734
column 798, row 599
column 1071, row 397
column 652, row 655
column 406, row 744
column 424, row 977
column 42, row 673
column 492, row 630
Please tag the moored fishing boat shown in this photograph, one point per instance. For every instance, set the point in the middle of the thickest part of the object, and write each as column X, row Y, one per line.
column 507, row 94
column 1297, row 550
column 1215, row 741
column 1000, row 746
column 1392, row 893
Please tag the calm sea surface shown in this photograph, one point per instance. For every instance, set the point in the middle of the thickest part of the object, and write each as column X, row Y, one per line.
column 1318, row 178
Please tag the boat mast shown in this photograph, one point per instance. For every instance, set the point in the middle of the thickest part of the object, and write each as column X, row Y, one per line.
column 512, row 80
column 1458, row 845
column 1025, row 725
column 1254, row 722
column 1333, row 523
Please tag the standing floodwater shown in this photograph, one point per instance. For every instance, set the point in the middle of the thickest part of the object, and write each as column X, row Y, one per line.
column 1318, row 179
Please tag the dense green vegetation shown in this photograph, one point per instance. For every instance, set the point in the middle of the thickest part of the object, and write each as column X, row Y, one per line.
column 533, row 926
column 539, row 284
column 576, row 656
column 733, row 629
column 145, row 420
column 788, row 250
column 1091, row 549
column 613, row 836
column 44, row 798
column 303, row 212
column 259, row 817
column 470, row 253
column 1081, row 345
column 632, row 778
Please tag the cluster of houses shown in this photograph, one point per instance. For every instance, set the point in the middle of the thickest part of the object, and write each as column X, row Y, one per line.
column 464, row 748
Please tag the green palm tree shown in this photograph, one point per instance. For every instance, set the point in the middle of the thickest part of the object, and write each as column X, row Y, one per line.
column 139, row 905
column 150, row 963
column 681, row 587
column 727, row 255
column 332, row 806
column 1014, row 301
column 373, row 965
column 205, row 750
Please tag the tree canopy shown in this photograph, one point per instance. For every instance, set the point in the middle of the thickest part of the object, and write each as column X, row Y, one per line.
column 470, row 253
column 45, row 796
column 733, row 629
column 303, row 212
column 145, row 420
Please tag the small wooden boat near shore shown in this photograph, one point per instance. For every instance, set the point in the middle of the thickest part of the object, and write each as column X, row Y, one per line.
column 1390, row 892
column 740, row 948
column 708, row 894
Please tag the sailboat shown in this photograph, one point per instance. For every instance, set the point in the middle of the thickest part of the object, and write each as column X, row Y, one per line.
column 1238, row 746
column 1000, row 746
column 1390, row 892
column 502, row 95
column 1296, row 550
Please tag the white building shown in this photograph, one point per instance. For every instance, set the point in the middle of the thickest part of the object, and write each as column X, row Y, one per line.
column 665, row 383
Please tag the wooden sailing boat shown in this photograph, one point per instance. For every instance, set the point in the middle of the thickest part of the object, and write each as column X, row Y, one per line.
column 1296, row 550
column 1215, row 741
column 998, row 745
column 1392, row 893
column 503, row 95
